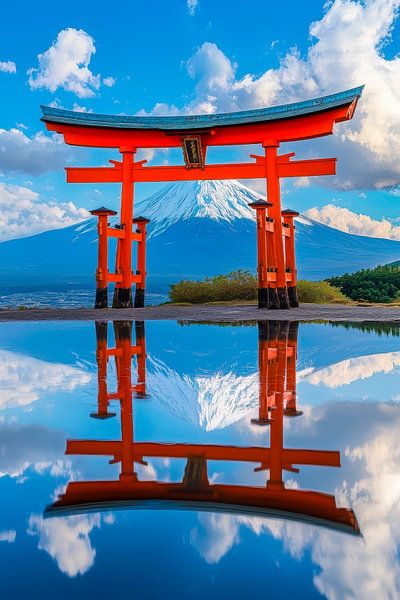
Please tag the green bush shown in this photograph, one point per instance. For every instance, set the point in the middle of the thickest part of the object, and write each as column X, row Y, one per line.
column 242, row 286
column 238, row 285
column 319, row 292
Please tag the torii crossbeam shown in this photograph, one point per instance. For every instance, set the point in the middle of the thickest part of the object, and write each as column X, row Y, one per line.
column 268, row 127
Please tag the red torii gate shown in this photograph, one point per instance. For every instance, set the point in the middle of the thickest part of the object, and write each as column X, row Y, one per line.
column 267, row 126
column 277, row 399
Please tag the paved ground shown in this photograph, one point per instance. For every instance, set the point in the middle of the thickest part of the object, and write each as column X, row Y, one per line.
column 200, row 312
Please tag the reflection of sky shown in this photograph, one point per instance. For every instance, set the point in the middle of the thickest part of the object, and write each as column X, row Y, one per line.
column 348, row 390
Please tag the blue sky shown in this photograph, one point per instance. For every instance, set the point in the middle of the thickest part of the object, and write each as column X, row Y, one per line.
column 173, row 57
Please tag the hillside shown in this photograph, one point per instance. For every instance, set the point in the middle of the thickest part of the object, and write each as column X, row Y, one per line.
column 197, row 229
column 381, row 284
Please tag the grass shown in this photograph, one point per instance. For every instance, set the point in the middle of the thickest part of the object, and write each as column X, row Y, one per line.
column 238, row 285
column 320, row 292
column 241, row 286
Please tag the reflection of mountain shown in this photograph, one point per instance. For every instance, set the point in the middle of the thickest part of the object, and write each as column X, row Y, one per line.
column 209, row 402
column 213, row 401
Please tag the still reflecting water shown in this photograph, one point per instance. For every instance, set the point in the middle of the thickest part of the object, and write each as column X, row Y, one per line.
column 190, row 461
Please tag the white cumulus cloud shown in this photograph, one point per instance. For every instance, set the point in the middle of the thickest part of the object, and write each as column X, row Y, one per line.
column 351, row 222
column 109, row 81
column 192, row 5
column 78, row 108
column 66, row 65
column 346, row 50
column 23, row 212
column 32, row 155
column 8, row 66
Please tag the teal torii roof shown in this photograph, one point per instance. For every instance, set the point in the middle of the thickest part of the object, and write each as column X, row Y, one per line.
column 195, row 122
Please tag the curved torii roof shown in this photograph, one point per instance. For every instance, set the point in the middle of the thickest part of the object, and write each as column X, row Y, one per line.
column 303, row 506
column 196, row 122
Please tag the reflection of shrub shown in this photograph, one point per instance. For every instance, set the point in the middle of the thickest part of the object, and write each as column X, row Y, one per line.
column 242, row 285
column 320, row 292
column 238, row 285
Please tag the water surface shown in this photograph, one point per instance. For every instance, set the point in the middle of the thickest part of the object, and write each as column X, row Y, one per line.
column 199, row 461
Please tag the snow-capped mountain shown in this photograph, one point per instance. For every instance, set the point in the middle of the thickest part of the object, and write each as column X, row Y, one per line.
column 197, row 229
column 215, row 200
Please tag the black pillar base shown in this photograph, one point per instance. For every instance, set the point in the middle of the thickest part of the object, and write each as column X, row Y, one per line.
column 101, row 331
column 273, row 330
column 101, row 298
column 263, row 331
column 122, row 298
column 262, row 422
column 283, row 298
column 293, row 330
column 102, row 416
column 123, row 330
column 293, row 298
column 263, row 298
column 273, row 298
column 292, row 412
column 139, row 298
column 283, row 330
column 139, row 330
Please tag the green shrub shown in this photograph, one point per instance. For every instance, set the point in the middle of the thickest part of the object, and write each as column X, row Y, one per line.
column 242, row 286
column 319, row 292
column 238, row 285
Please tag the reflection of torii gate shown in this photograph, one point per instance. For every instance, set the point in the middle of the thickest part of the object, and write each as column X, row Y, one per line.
column 277, row 361
column 194, row 134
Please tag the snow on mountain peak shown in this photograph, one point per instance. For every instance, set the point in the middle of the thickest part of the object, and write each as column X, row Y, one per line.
column 208, row 401
column 216, row 200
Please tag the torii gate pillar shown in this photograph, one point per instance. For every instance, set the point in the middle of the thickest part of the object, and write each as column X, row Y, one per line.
column 290, row 256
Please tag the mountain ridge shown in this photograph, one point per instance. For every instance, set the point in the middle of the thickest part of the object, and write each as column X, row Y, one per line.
column 200, row 229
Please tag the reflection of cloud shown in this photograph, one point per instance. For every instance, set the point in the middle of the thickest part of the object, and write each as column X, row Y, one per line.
column 29, row 445
column 23, row 378
column 215, row 536
column 210, row 402
column 66, row 539
column 8, row 536
column 349, row 567
column 352, row 369
column 369, row 482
